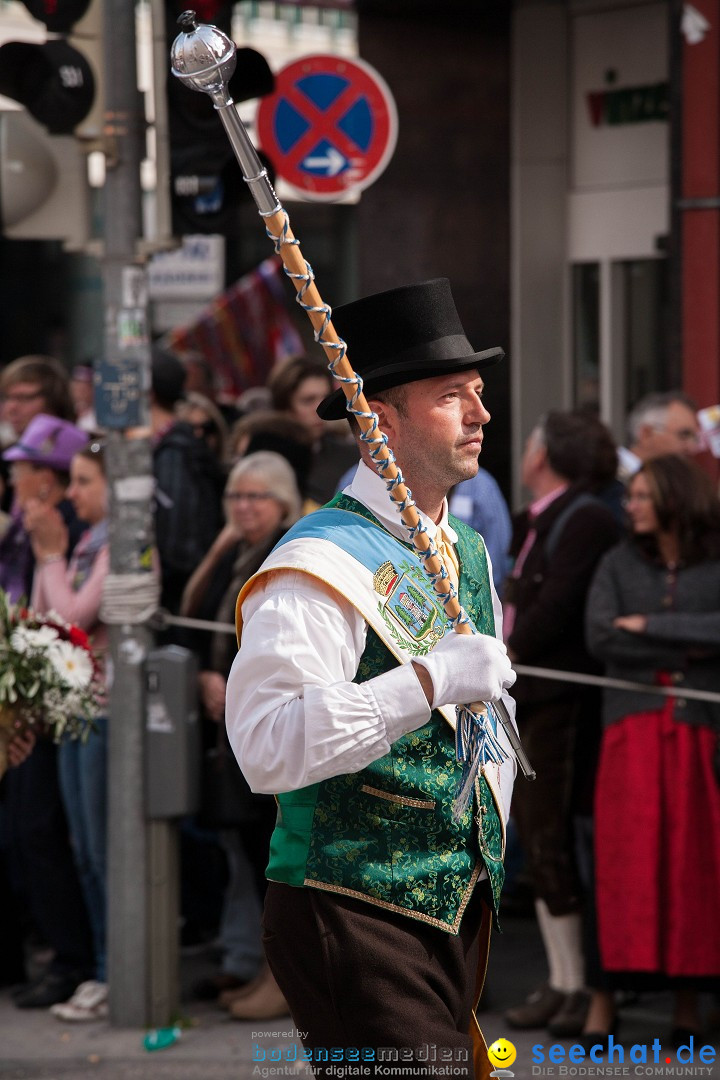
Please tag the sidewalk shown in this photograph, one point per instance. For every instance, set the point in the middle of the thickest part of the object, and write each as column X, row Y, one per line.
column 35, row 1046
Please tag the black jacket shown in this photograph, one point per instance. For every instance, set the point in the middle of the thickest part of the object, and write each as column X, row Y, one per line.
column 551, row 592
column 682, row 636
column 189, row 484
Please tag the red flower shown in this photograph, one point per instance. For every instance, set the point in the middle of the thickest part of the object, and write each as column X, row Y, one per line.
column 79, row 637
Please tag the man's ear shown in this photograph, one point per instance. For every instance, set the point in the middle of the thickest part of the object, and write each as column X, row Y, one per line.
column 645, row 432
column 539, row 458
column 386, row 415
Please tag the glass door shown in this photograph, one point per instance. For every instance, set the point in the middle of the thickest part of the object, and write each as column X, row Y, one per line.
column 619, row 335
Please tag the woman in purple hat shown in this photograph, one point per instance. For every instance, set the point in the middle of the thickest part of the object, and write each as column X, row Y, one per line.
column 39, row 850
column 39, row 469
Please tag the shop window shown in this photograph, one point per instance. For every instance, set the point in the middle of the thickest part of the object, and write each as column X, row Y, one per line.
column 648, row 366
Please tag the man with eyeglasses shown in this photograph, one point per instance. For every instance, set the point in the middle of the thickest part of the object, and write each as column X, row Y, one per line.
column 29, row 386
column 32, row 385
column 659, row 424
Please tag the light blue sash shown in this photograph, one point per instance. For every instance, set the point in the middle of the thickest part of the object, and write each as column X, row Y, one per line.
column 409, row 602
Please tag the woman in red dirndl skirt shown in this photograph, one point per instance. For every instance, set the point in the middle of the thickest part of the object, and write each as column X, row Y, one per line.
column 657, row 847
column 654, row 616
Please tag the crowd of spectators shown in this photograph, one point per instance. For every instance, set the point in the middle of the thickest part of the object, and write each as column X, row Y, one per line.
column 613, row 567
column 619, row 575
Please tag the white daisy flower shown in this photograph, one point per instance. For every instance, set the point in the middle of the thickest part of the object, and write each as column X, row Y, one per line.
column 73, row 665
column 24, row 640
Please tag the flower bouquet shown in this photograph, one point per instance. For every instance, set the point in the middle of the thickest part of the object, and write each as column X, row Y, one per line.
column 49, row 677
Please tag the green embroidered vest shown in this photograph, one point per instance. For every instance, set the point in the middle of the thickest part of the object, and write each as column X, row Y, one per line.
column 387, row 834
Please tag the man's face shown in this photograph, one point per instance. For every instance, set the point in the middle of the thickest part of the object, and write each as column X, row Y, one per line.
column 533, row 459
column 438, row 435
column 679, row 434
column 19, row 403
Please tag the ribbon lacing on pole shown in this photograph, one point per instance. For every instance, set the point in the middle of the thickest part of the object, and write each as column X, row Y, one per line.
column 476, row 741
column 129, row 598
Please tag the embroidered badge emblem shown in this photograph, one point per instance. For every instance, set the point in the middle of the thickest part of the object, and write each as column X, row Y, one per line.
column 414, row 618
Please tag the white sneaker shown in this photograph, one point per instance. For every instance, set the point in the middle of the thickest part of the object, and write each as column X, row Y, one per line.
column 89, row 1002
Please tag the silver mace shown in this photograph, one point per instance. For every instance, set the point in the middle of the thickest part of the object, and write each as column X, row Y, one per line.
column 204, row 58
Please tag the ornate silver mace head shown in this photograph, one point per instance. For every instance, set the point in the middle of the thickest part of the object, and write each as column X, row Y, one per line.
column 203, row 57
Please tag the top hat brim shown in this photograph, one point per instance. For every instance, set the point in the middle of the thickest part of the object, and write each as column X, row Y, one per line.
column 334, row 406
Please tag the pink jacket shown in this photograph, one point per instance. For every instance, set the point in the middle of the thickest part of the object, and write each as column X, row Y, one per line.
column 53, row 591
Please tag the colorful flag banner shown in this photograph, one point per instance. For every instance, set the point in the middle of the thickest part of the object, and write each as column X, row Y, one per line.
column 243, row 332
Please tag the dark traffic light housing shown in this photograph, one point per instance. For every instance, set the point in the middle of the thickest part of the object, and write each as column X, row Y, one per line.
column 57, row 77
column 206, row 184
column 53, row 81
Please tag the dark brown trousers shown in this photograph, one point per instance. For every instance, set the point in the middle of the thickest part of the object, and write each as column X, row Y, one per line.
column 358, row 976
column 543, row 810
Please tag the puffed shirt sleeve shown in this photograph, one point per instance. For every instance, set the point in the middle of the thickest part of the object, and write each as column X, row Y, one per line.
column 294, row 716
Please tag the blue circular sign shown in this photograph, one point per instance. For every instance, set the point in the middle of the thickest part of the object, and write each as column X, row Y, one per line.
column 330, row 127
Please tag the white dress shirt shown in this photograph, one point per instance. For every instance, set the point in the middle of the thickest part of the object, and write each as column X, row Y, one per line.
column 294, row 716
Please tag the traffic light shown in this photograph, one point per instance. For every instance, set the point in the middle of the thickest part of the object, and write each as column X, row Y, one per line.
column 206, row 182
column 52, row 67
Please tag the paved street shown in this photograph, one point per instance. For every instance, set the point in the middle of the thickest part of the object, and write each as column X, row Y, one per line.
column 34, row 1046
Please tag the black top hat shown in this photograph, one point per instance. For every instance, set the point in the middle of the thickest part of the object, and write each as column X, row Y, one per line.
column 401, row 336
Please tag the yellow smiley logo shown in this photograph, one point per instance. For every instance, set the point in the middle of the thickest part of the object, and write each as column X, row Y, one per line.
column 502, row 1053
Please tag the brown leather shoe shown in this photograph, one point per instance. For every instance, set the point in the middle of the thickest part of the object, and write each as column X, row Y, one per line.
column 537, row 1010
column 211, row 988
column 227, row 997
column 266, row 1002
column 570, row 1018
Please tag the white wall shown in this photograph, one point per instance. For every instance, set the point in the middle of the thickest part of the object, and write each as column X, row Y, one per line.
column 579, row 192
column 618, row 199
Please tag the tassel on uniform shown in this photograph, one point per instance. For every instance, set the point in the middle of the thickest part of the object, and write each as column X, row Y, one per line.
column 476, row 744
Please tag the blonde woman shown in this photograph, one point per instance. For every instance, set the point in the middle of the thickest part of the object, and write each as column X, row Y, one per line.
column 261, row 502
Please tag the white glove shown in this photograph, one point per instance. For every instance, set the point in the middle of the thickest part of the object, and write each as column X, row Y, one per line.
column 465, row 668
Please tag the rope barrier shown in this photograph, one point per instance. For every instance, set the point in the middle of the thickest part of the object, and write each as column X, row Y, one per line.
column 618, row 684
column 164, row 619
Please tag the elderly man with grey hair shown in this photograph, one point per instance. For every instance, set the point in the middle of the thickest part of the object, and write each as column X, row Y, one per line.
column 659, row 424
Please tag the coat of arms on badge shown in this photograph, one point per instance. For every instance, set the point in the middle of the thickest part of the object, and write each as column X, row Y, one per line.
column 414, row 618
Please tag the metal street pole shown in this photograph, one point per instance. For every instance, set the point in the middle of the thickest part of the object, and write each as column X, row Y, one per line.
column 142, row 871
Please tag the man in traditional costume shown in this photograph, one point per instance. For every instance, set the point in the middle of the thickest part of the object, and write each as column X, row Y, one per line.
column 341, row 701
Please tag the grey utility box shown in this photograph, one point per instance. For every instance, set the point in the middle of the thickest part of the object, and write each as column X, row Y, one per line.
column 172, row 733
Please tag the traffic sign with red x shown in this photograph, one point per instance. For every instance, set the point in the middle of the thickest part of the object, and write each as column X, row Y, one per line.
column 330, row 127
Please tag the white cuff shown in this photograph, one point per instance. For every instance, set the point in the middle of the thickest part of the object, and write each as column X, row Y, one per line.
column 400, row 699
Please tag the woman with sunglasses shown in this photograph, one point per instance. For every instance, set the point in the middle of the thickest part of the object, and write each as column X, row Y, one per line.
column 653, row 617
